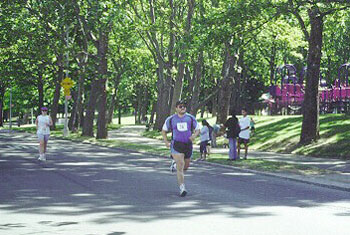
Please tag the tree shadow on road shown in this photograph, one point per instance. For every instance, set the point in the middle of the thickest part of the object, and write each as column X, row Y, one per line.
column 112, row 185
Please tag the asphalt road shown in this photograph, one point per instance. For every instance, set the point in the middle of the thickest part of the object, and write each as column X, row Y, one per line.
column 87, row 189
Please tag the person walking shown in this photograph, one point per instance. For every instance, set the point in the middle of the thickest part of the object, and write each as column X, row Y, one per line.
column 184, row 129
column 232, row 132
column 204, row 137
column 215, row 133
column 252, row 127
column 244, row 135
column 43, row 123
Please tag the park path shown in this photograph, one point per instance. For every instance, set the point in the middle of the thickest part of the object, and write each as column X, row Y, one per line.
column 89, row 189
column 341, row 168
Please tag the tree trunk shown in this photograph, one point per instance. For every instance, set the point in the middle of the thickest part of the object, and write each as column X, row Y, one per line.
column 197, row 77
column 56, row 96
column 2, row 94
column 80, row 109
column 154, row 106
column 40, row 86
column 112, row 106
column 214, row 105
column 162, row 109
column 145, row 105
column 272, row 63
column 238, row 87
column 90, row 109
column 102, row 132
column 119, row 114
column 225, row 85
column 71, row 121
column 138, row 105
column 310, row 127
column 183, row 54
column 75, row 119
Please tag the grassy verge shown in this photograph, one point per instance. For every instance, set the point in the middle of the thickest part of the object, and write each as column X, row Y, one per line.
column 255, row 164
column 268, row 166
column 282, row 133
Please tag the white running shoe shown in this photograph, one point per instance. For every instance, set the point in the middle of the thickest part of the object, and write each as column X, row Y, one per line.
column 173, row 166
column 183, row 191
column 42, row 157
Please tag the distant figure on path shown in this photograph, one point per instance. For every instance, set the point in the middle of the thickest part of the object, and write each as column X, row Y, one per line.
column 252, row 126
column 216, row 130
column 244, row 135
column 204, row 137
column 232, row 132
column 185, row 129
column 43, row 123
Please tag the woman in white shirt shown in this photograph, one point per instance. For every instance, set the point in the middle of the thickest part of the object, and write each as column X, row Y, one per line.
column 43, row 123
column 244, row 135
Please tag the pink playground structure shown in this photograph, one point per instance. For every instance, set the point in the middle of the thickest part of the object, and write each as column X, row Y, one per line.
column 288, row 96
column 336, row 98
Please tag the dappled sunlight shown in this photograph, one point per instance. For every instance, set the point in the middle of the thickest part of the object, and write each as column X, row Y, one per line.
column 92, row 185
column 238, row 173
column 79, row 164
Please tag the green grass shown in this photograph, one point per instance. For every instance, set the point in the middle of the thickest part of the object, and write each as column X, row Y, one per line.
column 273, row 133
column 267, row 166
column 255, row 164
column 281, row 134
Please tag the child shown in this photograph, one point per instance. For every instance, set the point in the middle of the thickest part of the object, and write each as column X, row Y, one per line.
column 204, row 137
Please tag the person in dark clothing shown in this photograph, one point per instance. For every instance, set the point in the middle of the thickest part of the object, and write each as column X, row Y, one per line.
column 232, row 133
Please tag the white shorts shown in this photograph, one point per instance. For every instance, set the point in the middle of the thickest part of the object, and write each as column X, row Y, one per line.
column 42, row 137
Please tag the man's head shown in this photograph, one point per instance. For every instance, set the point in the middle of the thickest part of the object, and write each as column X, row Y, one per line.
column 244, row 112
column 43, row 109
column 181, row 107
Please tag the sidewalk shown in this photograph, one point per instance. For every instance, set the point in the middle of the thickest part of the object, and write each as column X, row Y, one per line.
column 339, row 178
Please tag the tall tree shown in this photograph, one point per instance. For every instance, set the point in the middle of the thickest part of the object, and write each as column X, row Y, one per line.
column 316, row 12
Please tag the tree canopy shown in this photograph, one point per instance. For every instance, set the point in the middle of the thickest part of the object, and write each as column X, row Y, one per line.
column 141, row 56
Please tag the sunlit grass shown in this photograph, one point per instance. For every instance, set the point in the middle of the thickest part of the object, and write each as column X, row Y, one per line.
column 282, row 134
column 268, row 166
column 273, row 133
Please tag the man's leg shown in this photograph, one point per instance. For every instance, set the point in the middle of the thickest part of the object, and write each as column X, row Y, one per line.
column 45, row 145
column 202, row 150
column 238, row 149
column 213, row 142
column 41, row 149
column 41, row 146
column 233, row 150
column 187, row 163
column 46, row 139
column 180, row 164
column 246, row 150
column 208, row 147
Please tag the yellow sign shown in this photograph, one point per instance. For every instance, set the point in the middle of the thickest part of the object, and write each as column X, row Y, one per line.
column 67, row 92
column 67, row 83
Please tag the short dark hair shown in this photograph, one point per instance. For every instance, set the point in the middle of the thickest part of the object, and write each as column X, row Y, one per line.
column 180, row 102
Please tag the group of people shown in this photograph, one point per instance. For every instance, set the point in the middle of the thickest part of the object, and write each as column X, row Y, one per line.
column 235, row 131
column 185, row 128
column 238, row 131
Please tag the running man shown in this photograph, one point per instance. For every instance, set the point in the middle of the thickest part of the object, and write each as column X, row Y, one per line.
column 185, row 129
column 43, row 123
